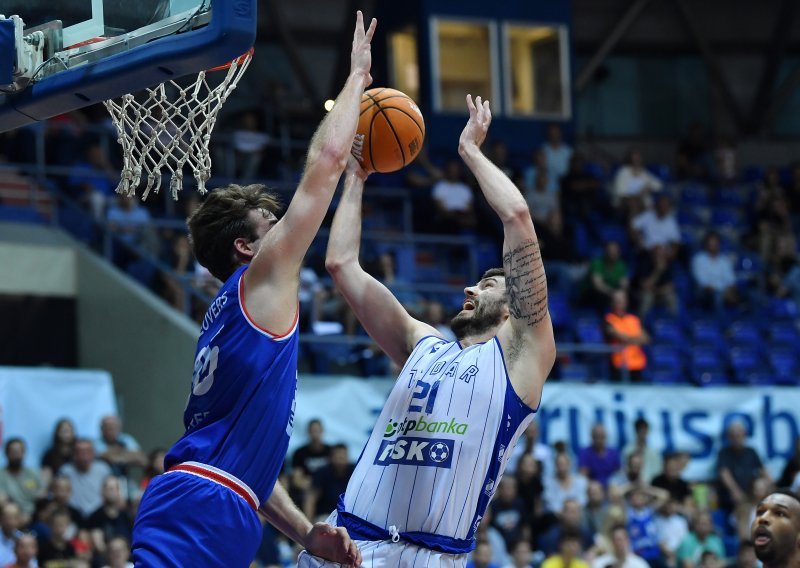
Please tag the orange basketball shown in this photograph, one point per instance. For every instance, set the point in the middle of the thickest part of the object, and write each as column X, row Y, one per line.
column 393, row 130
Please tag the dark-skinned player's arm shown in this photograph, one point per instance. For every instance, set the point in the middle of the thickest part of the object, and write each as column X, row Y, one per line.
column 527, row 336
column 381, row 314
column 272, row 280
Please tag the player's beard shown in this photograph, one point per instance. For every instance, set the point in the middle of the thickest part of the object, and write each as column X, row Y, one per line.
column 487, row 315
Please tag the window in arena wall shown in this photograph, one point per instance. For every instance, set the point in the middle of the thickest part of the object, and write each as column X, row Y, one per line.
column 536, row 70
column 463, row 60
column 404, row 62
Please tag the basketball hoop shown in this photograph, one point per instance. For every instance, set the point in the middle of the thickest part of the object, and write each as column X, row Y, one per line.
column 169, row 127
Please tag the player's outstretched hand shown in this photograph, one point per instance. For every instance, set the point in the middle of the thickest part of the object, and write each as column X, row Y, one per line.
column 361, row 55
column 353, row 161
column 480, row 117
column 334, row 544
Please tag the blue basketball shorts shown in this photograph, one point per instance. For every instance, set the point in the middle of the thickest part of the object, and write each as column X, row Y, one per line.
column 196, row 515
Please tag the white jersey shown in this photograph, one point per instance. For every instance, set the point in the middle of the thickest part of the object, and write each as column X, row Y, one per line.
column 441, row 443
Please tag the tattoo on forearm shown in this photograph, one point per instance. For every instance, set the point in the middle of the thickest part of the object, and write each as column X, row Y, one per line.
column 526, row 283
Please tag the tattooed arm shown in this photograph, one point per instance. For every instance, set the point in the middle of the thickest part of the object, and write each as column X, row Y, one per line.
column 527, row 336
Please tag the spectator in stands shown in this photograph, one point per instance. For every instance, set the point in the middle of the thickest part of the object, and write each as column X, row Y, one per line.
column 60, row 451
column 643, row 502
column 308, row 459
column 435, row 316
column 658, row 226
column 509, row 515
column 564, row 485
column 569, row 553
column 118, row 553
column 671, row 528
column 498, row 154
column 118, row 449
column 130, row 221
column 692, row 158
column 179, row 258
column 529, row 484
column 791, row 468
column 598, row 461
column 726, row 168
column 529, row 443
column 581, row 193
column 652, row 462
column 538, row 168
column 111, row 519
column 454, row 201
column 596, row 510
column 486, row 532
column 20, row 484
column 328, row 482
column 714, row 276
column 10, row 525
column 620, row 555
column 86, row 474
column 93, row 180
column 701, row 539
column 26, row 549
column 624, row 328
column 670, row 479
column 782, row 269
column 58, row 499
column 630, row 474
column 570, row 519
column 633, row 180
column 481, row 557
column 738, row 466
column 57, row 545
column 542, row 203
column 310, row 295
column 654, row 281
column 557, row 248
column 607, row 274
column 249, row 143
column 155, row 466
column 422, row 173
column 557, row 154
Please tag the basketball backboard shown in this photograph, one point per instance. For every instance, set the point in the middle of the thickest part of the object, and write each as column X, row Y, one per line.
column 69, row 54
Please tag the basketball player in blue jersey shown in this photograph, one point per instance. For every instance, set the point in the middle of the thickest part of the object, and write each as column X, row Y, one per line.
column 203, row 512
column 438, row 451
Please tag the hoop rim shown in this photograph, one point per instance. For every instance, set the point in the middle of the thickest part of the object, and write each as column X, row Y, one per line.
column 247, row 54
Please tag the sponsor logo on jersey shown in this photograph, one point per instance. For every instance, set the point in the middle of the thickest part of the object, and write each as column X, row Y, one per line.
column 416, row 451
column 422, row 425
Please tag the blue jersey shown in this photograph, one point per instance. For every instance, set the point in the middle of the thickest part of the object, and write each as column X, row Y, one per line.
column 241, row 407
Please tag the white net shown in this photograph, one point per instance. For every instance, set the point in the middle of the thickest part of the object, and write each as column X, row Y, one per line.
column 167, row 127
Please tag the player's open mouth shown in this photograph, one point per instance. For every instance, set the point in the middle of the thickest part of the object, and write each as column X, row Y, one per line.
column 762, row 537
column 468, row 305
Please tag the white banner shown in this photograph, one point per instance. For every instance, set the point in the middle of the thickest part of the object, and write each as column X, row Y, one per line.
column 687, row 419
column 32, row 400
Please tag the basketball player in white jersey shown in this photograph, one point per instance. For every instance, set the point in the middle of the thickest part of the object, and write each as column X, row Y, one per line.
column 442, row 441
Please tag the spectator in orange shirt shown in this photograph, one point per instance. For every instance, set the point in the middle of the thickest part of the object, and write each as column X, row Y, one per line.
column 623, row 328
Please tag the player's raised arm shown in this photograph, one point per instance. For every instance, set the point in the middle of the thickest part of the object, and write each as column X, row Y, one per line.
column 284, row 247
column 381, row 314
column 527, row 337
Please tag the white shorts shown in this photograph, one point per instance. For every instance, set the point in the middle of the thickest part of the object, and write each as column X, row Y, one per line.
column 388, row 554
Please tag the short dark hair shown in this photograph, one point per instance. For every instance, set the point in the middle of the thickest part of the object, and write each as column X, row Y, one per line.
column 641, row 423
column 569, row 534
column 221, row 219
column 15, row 440
column 493, row 272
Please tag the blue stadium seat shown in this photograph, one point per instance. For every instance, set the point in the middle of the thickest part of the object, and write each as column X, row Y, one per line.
column 706, row 364
column 668, row 331
column 735, row 196
column 559, row 310
column 661, row 171
column 20, row 214
column 783, row 333
column 707, row 332
column 659, row 376
column 758, row 378
column 784, row 364
column 694, row 194
column 753, row 174
column 781, row 308
column 749, row 266
column 746, row 360
column 727, row 216
column 744, row 332
column 710, row 378
column 613, row 232
column 666, row 357
column 589, row 330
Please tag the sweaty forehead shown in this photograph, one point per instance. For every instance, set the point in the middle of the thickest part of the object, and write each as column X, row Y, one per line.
column 778, row 499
